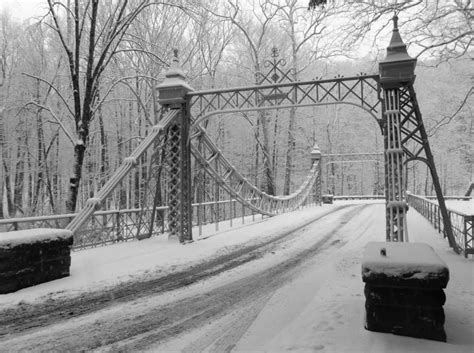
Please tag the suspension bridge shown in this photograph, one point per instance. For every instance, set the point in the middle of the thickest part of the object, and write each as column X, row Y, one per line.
column 189, row 182
column 189, row 185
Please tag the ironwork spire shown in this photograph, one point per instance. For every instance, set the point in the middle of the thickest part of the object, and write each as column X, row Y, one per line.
column 396, row 49
column 315, row 153
column 174, row 87
column 398, row 67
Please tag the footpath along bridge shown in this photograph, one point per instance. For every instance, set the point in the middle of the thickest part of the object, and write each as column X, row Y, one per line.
column 189, row 182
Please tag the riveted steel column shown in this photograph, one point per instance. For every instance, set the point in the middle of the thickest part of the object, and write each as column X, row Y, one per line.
column 396, row 205
column 396, row 72
column 172, row 95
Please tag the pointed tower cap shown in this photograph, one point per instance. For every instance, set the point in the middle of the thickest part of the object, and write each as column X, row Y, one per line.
column 397, row 67
column 174, row 87
column 315, row 153
column 175, row 70
column 396, row 50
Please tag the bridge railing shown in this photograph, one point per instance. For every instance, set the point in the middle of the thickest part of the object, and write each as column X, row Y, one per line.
column 462, row 224
column 114, row 226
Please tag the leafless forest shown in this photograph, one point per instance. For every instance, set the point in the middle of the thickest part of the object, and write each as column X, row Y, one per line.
column 77, row 90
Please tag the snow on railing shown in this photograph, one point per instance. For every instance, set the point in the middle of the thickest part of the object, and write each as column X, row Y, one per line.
column 462, row 224
column 114, row 226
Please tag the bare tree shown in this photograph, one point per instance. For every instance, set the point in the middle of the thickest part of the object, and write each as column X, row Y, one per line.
column 307, row 32
column 437, row 30
column 255, row 31
column 89, row 45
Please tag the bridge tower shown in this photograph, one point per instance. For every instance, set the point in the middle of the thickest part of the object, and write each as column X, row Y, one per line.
column 396, row 70
column 402, row 124
column 172, row 96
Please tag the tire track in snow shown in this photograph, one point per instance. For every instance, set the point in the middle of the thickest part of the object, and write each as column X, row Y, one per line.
column 246, row 296
column 26, row 316
column 163, row 322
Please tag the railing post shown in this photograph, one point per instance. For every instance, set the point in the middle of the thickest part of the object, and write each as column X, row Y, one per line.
column 465, row 236
column 396, row 71
column 172, row 95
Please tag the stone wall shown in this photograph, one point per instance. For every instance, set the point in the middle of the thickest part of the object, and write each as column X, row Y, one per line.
column 33, row 256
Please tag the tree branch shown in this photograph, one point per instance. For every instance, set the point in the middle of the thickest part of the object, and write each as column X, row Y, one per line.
column 53, row 87
column 58, row 120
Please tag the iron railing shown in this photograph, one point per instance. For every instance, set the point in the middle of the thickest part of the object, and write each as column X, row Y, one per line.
column 94, row 203
column 114, row 226
column 462, row 224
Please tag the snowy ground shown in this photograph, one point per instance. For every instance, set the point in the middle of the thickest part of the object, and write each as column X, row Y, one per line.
column 287, row 283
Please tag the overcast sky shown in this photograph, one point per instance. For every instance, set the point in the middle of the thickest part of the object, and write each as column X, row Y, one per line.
column 24, row 9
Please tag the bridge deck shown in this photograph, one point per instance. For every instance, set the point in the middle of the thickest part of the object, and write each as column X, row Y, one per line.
column 291, row 281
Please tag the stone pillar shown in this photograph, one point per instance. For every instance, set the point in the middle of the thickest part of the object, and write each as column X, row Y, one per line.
column 172, row 95
column 396, row 71
column 404, row 285
column 33, row 256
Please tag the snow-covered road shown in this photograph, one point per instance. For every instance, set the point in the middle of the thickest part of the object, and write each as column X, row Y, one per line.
column 291, row 282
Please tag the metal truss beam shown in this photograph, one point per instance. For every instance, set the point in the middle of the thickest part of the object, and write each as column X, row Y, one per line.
column 362, row 91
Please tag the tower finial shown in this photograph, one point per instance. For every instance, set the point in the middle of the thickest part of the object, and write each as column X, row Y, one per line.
column 174, row 87
column 175, row 55
column 398, row 66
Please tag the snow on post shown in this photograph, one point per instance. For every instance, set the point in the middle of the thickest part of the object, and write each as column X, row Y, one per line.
column 33, row 256
column 404, row 289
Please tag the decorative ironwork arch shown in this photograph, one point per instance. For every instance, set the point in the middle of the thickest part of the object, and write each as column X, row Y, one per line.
column 362, row 91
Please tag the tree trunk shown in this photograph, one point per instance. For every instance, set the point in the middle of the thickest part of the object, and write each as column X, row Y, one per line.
column 19, row 181
column 3, row 151
column 291, row 124
column 269, row 182
column 38, row 193
column 257, row 152
column 289, row 152
column 275, row 149
column 74, row 181
column 10, row 206
column 103, row 149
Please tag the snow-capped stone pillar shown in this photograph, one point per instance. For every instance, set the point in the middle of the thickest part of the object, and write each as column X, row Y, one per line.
column 33, row 256
column 396, row 71
column 404, row 285
column 172, row 95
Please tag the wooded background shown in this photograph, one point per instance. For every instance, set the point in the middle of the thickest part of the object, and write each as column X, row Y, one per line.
column 77, row 90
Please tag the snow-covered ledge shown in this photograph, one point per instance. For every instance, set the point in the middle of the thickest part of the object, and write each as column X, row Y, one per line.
column 404, row 289
column 33, row 256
